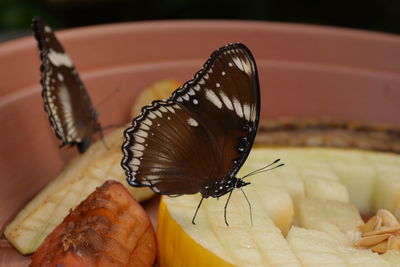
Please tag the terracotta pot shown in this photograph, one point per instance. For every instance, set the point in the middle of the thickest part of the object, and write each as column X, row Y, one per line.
column 305, row 71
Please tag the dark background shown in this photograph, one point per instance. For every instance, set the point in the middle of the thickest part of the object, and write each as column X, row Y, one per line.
column 377, row 15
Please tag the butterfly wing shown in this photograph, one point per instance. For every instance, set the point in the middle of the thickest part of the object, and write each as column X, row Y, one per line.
column 161, row 150
column 203, row 133
column 225, row 96
column 66, row 100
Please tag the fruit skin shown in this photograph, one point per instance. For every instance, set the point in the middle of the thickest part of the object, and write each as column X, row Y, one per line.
column 109, row 228
column 168, row 230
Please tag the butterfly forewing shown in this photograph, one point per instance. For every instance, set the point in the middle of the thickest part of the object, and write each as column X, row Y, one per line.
column 224, row 96
column 202, row 134
column 66, row 100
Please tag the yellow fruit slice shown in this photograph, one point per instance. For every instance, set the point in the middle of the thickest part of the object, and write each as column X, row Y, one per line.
column 310, row 184
column 157, row 91
column 79, row 179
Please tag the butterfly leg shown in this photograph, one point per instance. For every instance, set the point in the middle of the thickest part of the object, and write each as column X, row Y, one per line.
column 198, row 206
column 248, row 202
column 102, row 138
column 226, row 205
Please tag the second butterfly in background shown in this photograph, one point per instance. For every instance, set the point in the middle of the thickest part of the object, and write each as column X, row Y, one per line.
column 66, row 101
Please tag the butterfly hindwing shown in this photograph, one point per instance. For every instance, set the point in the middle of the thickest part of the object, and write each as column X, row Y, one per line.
column 66, row 100
column 202, row 134
column 161, row 150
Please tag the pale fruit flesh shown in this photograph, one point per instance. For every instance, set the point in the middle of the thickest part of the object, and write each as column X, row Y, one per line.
column 322, row 207
column 79, row 178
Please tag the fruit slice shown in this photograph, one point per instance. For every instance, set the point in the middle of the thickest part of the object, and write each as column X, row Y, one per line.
column 316, row 248
column 79, row 178
column 157, row 91
column 337, row 219
column 262, row 245
column 211, row 243
column 109, row 228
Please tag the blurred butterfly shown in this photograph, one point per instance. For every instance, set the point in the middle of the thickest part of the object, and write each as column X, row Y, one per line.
column 197, row 140
column 66, row 100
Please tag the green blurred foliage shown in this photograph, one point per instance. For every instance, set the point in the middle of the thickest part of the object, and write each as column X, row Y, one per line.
column 381, row 15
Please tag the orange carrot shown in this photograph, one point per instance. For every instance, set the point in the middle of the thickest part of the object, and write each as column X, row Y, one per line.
column 109, row 228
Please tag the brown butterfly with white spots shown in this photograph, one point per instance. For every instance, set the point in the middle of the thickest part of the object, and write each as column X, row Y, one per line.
column 197, row 140
column 66, row 100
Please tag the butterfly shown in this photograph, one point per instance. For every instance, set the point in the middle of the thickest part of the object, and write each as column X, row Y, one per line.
column 197, row 140
column 66, row 100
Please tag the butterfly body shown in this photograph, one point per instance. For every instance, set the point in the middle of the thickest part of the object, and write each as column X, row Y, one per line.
column 66, row 101
column 197, row 140
column 222, row 187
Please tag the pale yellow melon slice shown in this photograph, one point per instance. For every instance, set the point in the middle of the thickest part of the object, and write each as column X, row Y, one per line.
column 309, row 175
column 339, row 220
column 219, row 245
column 79, row 178
column 156, row 91
column 316, row 248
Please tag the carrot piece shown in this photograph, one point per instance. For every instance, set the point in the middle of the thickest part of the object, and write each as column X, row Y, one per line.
column 109, row 228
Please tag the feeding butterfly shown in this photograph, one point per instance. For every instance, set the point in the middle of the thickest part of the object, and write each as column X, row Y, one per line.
column 66, row 100
column 197, row 140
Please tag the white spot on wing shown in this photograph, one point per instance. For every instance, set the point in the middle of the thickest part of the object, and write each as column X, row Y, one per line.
column 210, row 95
column 163, row 109
column 246, row 111
column 158, row 113
column 142, row 133
column 192, row 122
column 218, row 85
column 155, row 189
column 238, row 63
column 147, row 122
column 138, row 147
column 60, row 77
column 223, row 73
column 226, row 100
column 195, row 101
column 47, row 29
column 171, row 109
column 238, row 107
column 59, row 59
column 137, row 154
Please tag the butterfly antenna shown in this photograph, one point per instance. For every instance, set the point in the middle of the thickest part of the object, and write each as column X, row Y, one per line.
column 198, row 207
column 108, row 97
column 226, row 205
column 265, row 168
column 248, row 202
